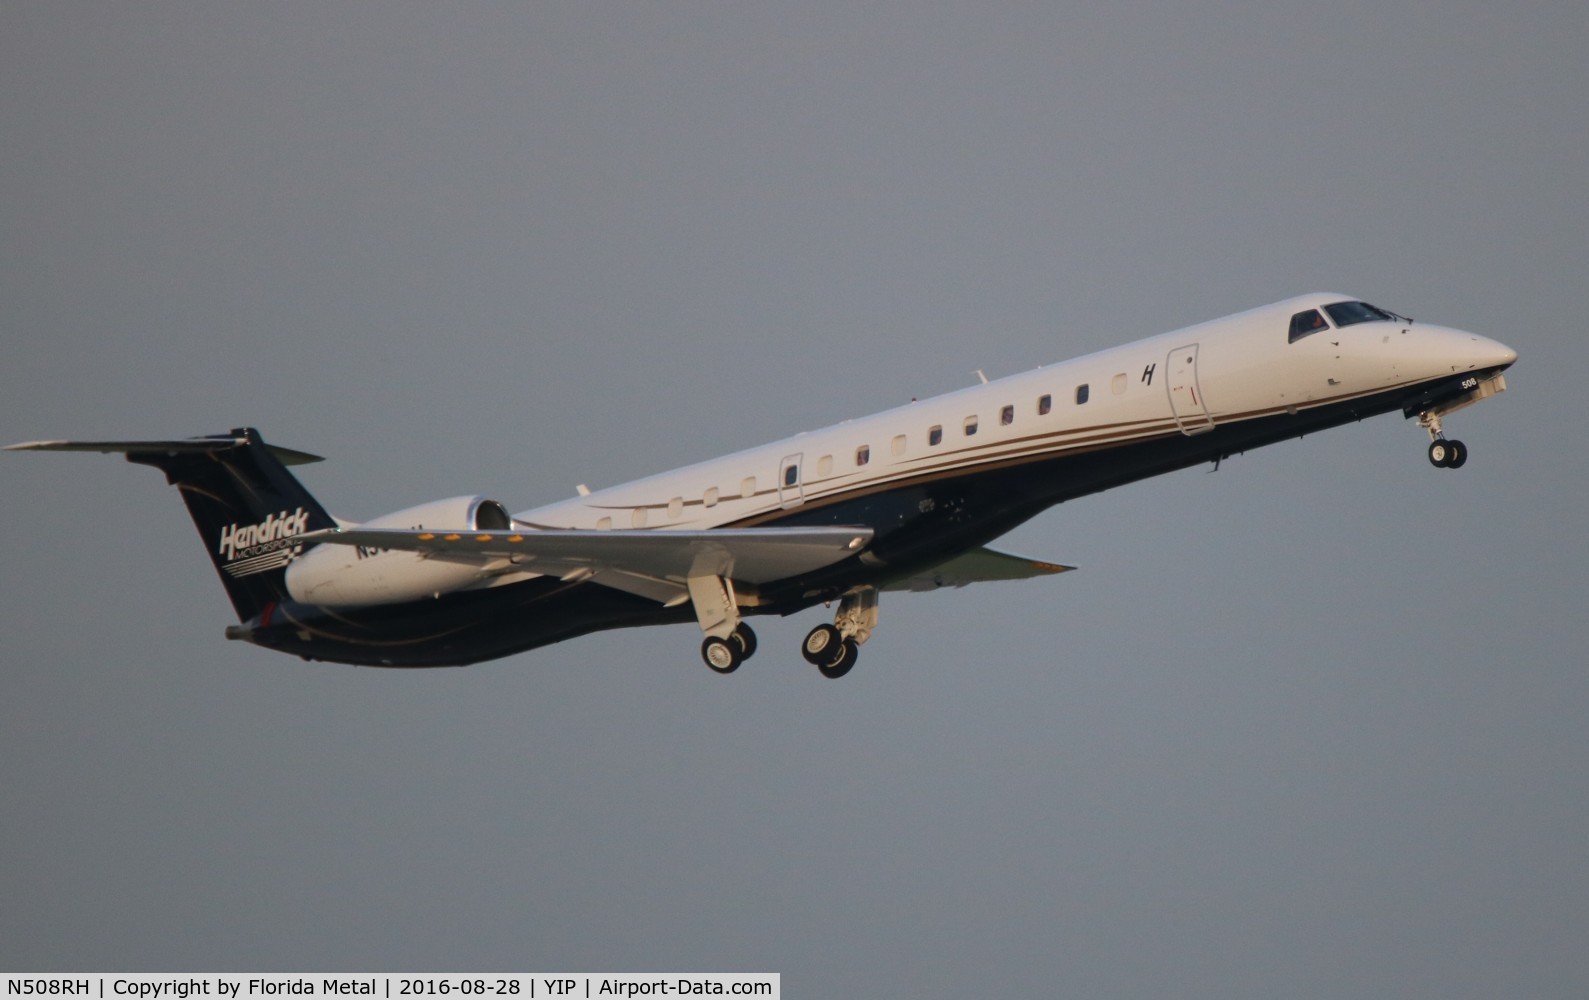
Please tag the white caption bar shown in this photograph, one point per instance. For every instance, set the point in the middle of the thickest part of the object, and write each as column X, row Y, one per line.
column 387, row 986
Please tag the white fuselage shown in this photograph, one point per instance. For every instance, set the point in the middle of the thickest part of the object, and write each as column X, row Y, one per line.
column 1239, row 368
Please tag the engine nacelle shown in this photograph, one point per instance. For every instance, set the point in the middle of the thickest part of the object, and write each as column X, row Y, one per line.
column 354, row 576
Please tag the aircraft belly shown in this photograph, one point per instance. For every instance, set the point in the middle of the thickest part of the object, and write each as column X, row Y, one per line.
column 457, row 629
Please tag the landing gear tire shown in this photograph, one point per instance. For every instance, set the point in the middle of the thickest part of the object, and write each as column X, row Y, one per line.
column 1445, row 454
column 744, row 640
column 844, row 658
column 820, row 644
column 721, row 655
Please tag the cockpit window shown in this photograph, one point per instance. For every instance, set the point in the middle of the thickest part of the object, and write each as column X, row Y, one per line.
column 1347, row 313
column 1304, row 323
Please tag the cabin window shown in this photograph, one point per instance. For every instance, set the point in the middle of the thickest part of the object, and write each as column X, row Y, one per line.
column 971, row 426
column 825, row 465
column 863, row 454
column 1304, row 323
column 1117, row 385
column 604, row 524
column 934, row 435
column 710, row 499
column 1044, row 404
column 638, row 518
column 675, row 507
column 791, row 474
column 747, row 487
column 897, row 446
column 1081, row 394
column 1007, row 416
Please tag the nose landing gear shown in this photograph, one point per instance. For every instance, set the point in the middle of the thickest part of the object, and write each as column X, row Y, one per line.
column 1443, row 453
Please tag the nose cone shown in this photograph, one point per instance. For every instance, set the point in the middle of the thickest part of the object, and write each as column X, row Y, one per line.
column 1469, row 352
column 1484, row 353
column 1504, row 356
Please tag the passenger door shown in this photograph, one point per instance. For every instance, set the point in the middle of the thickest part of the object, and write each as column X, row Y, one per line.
column 1186, row 396
column 790, row 492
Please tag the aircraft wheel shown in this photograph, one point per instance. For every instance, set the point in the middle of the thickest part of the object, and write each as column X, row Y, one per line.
column 1459, row 455
column 744, row 639
column 844, row 658
column 1440, row 452
column 721, row 655
column 820, row 644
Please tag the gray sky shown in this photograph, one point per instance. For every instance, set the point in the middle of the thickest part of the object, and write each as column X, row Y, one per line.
column 1312, row 726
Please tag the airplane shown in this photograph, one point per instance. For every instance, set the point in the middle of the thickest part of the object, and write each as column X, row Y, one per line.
column 903, row 500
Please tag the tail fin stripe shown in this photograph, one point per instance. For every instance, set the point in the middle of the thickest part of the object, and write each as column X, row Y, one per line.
column 260, row 564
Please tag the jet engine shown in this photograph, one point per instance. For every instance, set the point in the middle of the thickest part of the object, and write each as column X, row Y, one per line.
column 355, row 576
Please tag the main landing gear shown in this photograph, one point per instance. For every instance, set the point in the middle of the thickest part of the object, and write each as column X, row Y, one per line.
column 729, row 641
column 832, row 649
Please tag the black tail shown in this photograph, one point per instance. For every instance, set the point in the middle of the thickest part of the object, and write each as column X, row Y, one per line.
column 248, row 508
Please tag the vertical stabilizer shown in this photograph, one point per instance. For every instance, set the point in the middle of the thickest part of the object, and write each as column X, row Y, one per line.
column 248, row 508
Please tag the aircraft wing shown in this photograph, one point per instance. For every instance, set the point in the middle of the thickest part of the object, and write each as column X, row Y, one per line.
column 977, row 566
column 652, row 564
